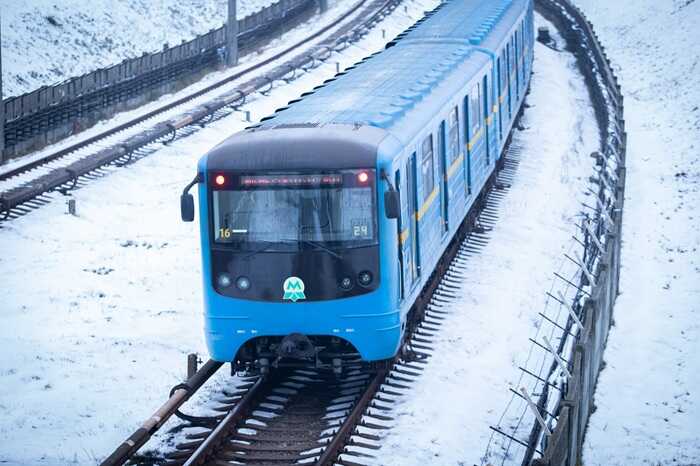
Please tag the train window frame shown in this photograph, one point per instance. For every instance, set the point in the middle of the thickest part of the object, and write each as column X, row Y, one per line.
column 475, row 109
column 427, row 166
column 453, row 133
column 503, row 75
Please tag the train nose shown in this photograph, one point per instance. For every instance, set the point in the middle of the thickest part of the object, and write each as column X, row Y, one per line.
column 296, row 346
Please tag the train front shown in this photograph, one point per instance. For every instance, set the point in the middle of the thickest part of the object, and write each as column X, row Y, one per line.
column 292, row 262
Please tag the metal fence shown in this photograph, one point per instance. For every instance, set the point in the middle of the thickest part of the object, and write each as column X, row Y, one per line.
column 51, row 113
column 545, row 421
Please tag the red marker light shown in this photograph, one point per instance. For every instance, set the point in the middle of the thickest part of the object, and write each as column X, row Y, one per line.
column 363, row 177
column 220, row 180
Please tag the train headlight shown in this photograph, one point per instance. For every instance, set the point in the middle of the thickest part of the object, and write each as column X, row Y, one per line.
column 224, row 280
column 365, row 278
column 243, row 283
column 346, row 283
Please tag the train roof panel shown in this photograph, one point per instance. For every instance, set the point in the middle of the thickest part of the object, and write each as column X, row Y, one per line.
column 384, row 89
column 400, row 89
column 469, row 20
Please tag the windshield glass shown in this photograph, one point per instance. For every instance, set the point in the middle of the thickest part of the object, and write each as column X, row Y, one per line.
column 335, row 210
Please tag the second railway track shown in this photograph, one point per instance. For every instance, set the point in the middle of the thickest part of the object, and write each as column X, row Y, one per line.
column 25, row 187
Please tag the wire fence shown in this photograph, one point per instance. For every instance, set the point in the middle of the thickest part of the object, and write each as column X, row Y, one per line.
column 545, row 421
column 51, row 113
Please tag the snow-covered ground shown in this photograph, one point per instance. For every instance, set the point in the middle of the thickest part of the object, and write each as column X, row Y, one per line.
column 296, row 35
column 45, row 41
column 648, row 398
column 99, row 310
column 445, row 418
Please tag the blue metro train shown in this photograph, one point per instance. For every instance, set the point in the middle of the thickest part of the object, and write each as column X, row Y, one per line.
column 321, row 225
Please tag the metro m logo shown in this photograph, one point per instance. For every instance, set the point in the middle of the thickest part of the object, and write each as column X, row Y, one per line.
column 293, row 289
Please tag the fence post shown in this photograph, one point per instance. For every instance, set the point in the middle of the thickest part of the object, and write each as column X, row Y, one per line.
column 2, row 109
column 232, row 35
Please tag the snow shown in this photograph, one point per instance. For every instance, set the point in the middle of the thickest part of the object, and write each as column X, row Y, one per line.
column 647, row 396
column 464, row 388
column 100, row 309
column 293, row 36
column 45, row 42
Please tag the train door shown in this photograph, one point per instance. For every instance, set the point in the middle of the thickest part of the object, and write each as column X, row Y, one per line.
column 402, row 231
column 444, row 184
column 485, row 118
column 509, row 65
column 467, row 150
column 475, row 135
column 498, row 85
column 411, row 239
column 517, row 65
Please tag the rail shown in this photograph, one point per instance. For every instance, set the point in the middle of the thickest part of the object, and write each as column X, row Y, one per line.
column 310, row 416
column 66, row 178
column 545, row 422
column 51, row 113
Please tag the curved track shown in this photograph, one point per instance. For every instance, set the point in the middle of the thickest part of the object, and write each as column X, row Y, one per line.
column 308, row 416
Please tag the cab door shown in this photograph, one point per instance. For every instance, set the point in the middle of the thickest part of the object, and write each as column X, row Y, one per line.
column 409, row 234
column 403, row 217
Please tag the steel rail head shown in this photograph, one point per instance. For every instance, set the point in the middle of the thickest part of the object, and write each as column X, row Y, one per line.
column 339, row 440
column 218, row 435
column 152, row 424
column 147, row 138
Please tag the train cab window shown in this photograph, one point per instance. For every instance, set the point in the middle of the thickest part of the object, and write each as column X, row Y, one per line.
column 454, row 134
column 427, row 168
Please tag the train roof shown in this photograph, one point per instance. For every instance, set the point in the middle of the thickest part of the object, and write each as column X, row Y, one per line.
column 402, row 88
column 476, row 22
column 383, row 89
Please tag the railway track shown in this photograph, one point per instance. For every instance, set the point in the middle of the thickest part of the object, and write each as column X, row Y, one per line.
column 30, row 185
column 310, row 416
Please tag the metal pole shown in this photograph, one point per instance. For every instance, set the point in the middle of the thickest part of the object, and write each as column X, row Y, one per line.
column 2, row 107
column 232, row 35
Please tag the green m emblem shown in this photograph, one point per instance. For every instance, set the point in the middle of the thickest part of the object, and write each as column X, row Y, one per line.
column 293, row 289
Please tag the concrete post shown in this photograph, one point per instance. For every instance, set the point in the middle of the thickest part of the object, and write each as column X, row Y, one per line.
column 323, row 5
column 232, row 35
column 2, row 107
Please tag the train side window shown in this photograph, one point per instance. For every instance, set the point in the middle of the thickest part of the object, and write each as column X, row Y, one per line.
column 475, row 110
column 465, row 114
column 503, row 72
column 454, row 134
column 427, row 168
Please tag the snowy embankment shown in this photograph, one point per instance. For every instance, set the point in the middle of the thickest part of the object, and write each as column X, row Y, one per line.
column 98, row 311
column 648, row 404
column 45, row 42
column 445, row 419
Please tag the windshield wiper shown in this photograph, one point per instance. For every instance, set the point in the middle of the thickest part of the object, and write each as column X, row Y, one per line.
column 270, row 244
column 266, row 247
column 321, row 246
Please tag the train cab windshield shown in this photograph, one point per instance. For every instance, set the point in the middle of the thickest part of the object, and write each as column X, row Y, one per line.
column 293, row 212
